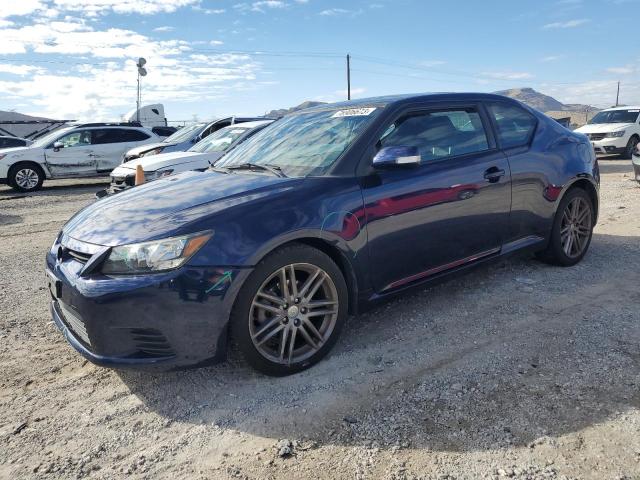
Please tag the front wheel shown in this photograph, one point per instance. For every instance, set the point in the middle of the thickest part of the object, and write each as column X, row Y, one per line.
column 630, row 148
column 26, row 177
column 572, row 230
column 290, row 311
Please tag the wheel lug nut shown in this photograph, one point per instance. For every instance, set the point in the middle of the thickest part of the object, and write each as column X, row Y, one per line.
column 297, row 300
column 296, row 322
column 285, row 320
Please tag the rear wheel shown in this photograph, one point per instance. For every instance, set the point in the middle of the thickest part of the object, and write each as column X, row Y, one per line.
column 631, row 146
column 26, row 177
column 572, row 229
column 290, row 311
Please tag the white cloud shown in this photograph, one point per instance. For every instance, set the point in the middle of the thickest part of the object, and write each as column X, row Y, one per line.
column 552, row 58
column 508, row 75
column 334, row 12
column 567, row 24
column 165, row 28
column 626, row 70
column 145, row 7
column 18, row 69
column 600, row 93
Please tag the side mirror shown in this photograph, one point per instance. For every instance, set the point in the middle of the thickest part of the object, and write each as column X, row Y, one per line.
column 57, row 146
column 392, row 156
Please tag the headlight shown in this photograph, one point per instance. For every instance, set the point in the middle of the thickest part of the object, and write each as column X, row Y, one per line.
column 155, row 256
column 619, row 133
column 155, row 151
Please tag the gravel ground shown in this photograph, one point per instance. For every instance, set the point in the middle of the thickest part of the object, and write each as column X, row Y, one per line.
column 519, row 370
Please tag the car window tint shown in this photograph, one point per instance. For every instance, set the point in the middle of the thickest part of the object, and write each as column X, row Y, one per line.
column 515, row 125
column 12, row 142
column 133, row 136
column 77, row 138
column 105, row 135
column 439, row 134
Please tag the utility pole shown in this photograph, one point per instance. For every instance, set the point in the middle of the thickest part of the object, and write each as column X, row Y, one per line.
column 618, row 94
column 348, row 77
column 141, row 73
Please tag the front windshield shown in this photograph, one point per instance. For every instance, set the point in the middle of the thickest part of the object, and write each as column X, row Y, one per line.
column 616, row 116
column 303, row 144
column 185, row 133
column 218, row 141
column 47, row 139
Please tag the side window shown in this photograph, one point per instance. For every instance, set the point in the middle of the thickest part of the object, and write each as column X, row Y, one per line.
column 133, row 136
column 438, row 134
column 105, row 135
column 117, row 135
column 78, row 138
column 515, row 125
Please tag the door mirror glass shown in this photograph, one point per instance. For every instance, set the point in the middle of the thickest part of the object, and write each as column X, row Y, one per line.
column 400, row 155
column 57, row 146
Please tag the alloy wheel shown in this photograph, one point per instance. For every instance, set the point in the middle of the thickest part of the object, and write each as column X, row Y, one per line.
column 294, row 313
column 575, row 228
column 27, row 178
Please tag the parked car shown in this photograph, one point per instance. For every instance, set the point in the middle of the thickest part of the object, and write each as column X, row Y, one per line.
column 614, row 131
column 199, row 157
column 86, row 150
column 7, row 141
column 320, row 215
column 184, row 138
column 164, row 131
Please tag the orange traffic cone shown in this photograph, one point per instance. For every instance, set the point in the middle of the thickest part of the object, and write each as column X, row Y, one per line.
column 139, row 175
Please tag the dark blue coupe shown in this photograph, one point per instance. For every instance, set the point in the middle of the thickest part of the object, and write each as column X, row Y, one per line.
column 317, row 216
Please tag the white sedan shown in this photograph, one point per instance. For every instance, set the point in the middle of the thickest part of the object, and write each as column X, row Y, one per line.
column 199, row 157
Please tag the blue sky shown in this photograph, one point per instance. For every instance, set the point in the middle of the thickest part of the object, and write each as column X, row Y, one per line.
column 208, row 58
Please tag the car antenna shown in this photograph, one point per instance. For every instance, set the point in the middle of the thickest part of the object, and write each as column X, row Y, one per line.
column 233, row 120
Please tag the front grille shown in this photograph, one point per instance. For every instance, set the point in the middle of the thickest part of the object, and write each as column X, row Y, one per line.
column 150, row 342
column 79, row 256
column 75, row 323
column 596, row 136
column 121, row 183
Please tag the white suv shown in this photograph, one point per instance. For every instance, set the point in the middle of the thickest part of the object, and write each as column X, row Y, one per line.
column 614, row 131
column 87, row 150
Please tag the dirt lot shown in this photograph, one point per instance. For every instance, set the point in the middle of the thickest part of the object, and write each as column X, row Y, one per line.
column 519, row 370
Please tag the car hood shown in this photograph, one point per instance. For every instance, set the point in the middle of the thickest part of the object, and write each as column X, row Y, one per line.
column 5, row 151
column 603, row 127
column 170, row 206
column 162, row 160
column 148, row 146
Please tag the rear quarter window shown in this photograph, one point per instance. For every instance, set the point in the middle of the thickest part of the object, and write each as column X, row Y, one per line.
column 515, row 125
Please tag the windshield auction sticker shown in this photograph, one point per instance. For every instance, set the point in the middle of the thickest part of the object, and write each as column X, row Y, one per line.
column 353, row 112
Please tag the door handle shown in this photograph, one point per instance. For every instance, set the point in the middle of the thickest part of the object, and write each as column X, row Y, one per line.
column 493, row 174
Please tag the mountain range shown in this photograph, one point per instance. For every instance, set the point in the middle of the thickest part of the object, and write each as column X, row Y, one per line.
column 526, row 95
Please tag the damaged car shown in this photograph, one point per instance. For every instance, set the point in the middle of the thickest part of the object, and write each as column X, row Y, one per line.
column 85, row 150
column 317, row 217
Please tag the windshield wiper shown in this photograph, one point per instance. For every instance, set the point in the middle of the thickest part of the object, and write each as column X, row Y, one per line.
column 274, row 169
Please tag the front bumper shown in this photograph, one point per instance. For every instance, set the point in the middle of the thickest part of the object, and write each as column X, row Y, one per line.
column 609, row 146
column 162, row 321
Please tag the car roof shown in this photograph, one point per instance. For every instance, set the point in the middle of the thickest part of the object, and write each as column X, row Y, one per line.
column 409, row 98
column 249, row 125
column 626, row 107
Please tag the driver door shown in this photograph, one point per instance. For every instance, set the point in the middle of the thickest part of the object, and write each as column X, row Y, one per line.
column 450, row 209
column 74, row 158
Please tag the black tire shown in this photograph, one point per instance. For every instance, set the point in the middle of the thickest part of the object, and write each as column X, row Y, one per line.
column 26, row 177
column 244, row 320
column 555, row 253
column 631, row 146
